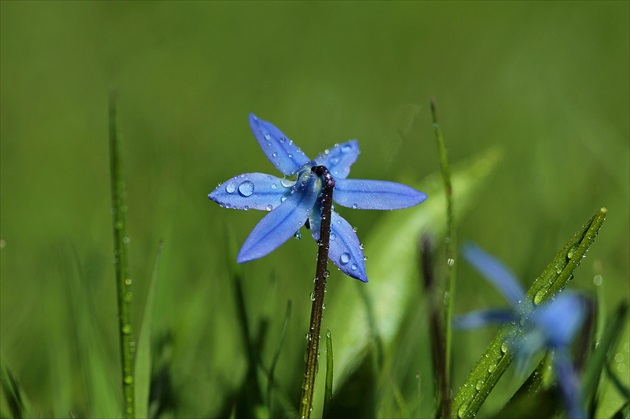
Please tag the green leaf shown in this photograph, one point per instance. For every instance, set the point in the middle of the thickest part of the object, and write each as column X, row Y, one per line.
column 392, row 267
column 498, row 356
column 143, row 354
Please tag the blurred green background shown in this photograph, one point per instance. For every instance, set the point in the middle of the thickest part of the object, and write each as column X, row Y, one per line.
column 547, row 82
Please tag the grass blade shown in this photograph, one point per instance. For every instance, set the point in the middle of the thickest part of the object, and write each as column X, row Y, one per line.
column 328, row 392
column 121, row 241
column 12, row 394
column 444, row 377
column 143, row 354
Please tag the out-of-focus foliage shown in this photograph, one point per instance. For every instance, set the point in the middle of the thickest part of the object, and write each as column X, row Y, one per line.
column 547, row 82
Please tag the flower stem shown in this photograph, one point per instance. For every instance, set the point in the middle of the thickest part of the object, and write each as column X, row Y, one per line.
column 123, row 282
column 318, row 293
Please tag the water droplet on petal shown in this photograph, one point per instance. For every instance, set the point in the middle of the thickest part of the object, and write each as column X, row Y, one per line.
column 286, row 182
column 230, row 188
column 355, row 206
column 269, row 207
column 344, row 258
column 274, row 154
column 298, row 235
column 333, row 236
column 346, row 148
column 246, row 188
column 353, row 267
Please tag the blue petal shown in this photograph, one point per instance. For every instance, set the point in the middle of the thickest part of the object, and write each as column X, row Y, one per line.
column 482, row 318
column 560, row 319
column 375, row 194
column 281, row 223
column 495, row 272
column 339, row 158
column 345, row 249
column 569, row 384
column 279, row 149
column 251, row 191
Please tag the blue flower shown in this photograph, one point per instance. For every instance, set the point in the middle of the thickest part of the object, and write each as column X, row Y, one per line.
column 550, row 326
column 295, row 199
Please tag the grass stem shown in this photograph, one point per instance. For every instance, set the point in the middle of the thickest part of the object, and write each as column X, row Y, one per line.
column 123, row 281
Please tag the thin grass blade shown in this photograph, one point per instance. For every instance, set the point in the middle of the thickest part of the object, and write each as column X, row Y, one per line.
column 143, row 354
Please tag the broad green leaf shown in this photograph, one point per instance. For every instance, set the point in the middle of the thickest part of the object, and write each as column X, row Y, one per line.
column 498, row 356
column 143, row 353
column 392, row 267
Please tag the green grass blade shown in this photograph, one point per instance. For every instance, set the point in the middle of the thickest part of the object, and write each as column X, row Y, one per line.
column 598, row 359
column 328, row 392
column 498, row 356
column 446, row 310
column 276, row 356
column 13, row 396
column 121, row 241
column 143, row 354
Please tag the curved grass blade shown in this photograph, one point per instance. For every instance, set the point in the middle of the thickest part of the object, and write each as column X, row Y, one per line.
column 276, row 356
column 143, row 354
column 598, row 359
column 13, row 396
column 498, row 356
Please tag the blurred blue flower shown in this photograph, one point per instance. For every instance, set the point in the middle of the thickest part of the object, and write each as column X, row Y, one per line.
column 550, row 326
column 295, row 199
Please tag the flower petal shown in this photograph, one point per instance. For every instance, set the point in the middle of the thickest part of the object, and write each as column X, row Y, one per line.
column 251, row 191
column 495, row 272
column 279, row 149
column 569, row 383
column 345, row 249
column 375, row 194
column 281, row 223
column 481, row 318
column 339, row 158
column 559, row 319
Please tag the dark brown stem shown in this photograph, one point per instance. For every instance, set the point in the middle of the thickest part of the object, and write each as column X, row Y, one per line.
column 306, row 402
